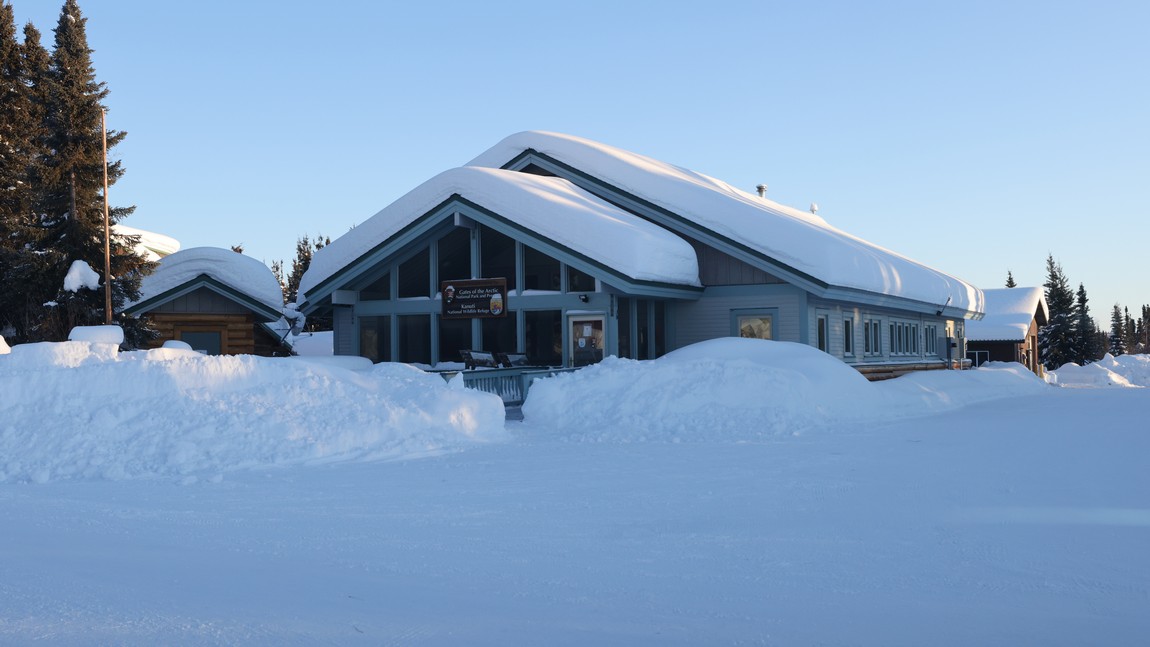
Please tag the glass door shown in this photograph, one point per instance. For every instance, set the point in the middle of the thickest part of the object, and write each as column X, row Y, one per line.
column 586, row 339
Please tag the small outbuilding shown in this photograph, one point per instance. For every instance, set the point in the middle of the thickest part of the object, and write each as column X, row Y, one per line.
column 1008, row 332
column 216, row 300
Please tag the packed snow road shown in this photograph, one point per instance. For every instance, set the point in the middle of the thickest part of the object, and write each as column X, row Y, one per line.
column 1020, row 520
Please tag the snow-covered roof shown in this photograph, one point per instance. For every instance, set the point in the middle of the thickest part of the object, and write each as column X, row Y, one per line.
column 551, row 207
column 151, row 245
column 1009, row 312
column 799, row 240
column 243, row 274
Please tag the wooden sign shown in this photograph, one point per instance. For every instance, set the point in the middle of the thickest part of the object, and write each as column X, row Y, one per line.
column 474, row 298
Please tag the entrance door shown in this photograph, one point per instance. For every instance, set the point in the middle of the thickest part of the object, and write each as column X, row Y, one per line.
column 586, row 339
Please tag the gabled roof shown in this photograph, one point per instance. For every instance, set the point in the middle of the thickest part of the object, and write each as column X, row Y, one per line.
column 791, row 243
column 240, row 278
column 1009, row 312
column 549, row 208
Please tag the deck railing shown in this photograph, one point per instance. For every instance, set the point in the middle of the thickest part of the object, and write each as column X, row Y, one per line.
column 510, row 384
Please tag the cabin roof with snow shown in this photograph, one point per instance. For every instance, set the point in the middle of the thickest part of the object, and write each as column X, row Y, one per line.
column 1009, row 314
column 232, row 275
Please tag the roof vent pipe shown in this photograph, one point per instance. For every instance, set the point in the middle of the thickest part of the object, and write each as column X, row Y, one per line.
column 815, row 208
column 762, row 189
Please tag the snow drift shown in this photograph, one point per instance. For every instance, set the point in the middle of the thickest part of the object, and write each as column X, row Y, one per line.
column 1125, row 370
column 82, row 410
column 741, row 390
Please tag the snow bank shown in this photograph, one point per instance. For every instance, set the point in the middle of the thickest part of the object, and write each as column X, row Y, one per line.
column 743, row 390
column 936, row 391
column 1125, row 370
column 81, row 410
column 98, row 334
column 313, row 344
column 722, row 389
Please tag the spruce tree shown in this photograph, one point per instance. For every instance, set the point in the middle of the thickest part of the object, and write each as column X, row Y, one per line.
column 14, row 129
column 23, row 140
column 1010, row 280
column 278, row 271
column 1130, row 330
column 304, row 249
column 1056, row 340
column 1143, row 332
column 1117, row 332
column 1086, row 331
column 71, row 188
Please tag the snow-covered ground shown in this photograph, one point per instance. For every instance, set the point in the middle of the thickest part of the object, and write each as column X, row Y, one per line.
column 738, row 492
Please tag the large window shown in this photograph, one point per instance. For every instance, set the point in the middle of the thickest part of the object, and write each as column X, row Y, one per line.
column 375, row 338
column 931, row 332
column 623, row 314
column 643, row 328
column 540, row 271
column 414, row 339
column 377, row 290
column 415, row 275
column 579, row 281
column 821, row 333
column 455, row 255
column 848, row 337
column 660, row 328
column 499, row 334
column 497, row 256
column 454, row 336
column 544, row 337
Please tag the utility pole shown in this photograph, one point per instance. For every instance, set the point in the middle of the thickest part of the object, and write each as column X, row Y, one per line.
column 107, row 226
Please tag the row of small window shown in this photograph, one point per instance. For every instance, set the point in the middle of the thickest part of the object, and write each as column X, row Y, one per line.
column 498, row 258
column 903, row 336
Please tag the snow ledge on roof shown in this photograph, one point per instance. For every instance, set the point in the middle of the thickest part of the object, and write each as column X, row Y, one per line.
column 241, row 273
column 800, row 240
column 551, row 207
column 1009, row 312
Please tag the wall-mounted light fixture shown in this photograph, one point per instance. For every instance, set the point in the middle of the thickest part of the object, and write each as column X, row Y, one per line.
column 583, row 298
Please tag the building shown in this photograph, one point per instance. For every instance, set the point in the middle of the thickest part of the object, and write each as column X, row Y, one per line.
column 216, row 300
column 1009, row 330
column 589, row 251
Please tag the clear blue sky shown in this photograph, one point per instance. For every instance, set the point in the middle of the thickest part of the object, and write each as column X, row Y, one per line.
column 976, row 137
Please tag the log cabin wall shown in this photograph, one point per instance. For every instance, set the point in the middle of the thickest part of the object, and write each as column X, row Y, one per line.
column 237, row 331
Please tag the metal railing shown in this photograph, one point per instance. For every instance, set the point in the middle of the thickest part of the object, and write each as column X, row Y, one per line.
column 510, row 384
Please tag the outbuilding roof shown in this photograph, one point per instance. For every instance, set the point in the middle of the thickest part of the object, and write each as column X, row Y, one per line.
column 1009, row 312
column 796, row 241
column 241, row 278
